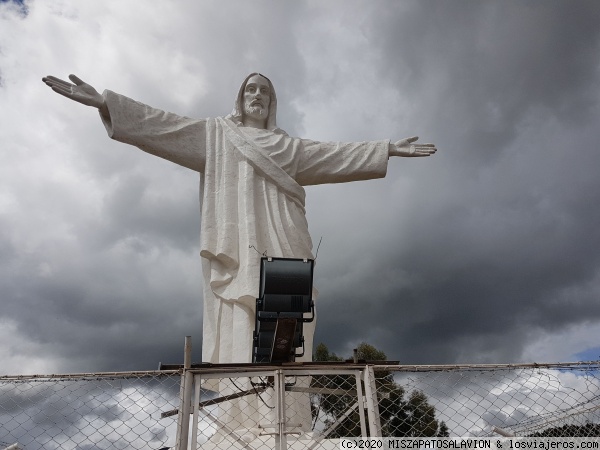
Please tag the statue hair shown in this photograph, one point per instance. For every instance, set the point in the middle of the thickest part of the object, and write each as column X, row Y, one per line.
column 238, row 108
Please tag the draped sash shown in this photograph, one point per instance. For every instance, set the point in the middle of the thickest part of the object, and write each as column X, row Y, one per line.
column 237, row 172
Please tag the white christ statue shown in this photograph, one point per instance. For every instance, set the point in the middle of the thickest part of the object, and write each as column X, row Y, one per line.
column 251, row 191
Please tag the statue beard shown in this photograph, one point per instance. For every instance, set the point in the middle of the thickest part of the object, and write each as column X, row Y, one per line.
column 256, row 111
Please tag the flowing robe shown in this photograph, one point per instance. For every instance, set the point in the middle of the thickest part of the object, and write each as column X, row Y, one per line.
column 251, row 194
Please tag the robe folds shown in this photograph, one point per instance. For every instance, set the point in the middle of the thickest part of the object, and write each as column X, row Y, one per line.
column 252, row 202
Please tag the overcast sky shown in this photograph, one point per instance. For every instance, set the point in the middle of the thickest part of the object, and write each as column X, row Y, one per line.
column 488, row 251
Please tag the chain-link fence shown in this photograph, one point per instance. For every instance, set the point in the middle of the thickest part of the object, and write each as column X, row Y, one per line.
column 88, row 411
column 305, row 406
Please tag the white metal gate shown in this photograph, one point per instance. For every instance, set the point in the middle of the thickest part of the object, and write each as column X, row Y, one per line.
column 251, row 407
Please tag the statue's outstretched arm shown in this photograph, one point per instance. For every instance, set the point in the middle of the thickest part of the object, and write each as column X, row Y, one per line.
column 405, row 147
column 79, row 91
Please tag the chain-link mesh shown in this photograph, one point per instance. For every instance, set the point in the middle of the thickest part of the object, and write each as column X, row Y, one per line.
column 556, row 400
column 94, row 411
column 304, row 407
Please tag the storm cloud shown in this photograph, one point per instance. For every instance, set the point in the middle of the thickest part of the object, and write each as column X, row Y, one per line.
column 485, row 252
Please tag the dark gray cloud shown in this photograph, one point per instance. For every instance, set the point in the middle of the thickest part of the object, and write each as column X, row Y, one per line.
column 485, row 252
column 90, row 413
column 506, row 246
column 488, row 65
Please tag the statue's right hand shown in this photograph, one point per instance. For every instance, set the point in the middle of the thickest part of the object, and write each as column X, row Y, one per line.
column 80, row 91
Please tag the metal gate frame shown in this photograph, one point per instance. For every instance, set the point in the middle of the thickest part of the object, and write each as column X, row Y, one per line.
column 366, row 399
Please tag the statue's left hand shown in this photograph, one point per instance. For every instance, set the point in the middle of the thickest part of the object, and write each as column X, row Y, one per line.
column 406, row 148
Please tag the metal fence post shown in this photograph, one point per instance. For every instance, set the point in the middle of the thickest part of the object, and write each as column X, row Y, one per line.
column 197, row 393
column 281, row 436
column 372, row 402
column 361, row 404
column 185, row 398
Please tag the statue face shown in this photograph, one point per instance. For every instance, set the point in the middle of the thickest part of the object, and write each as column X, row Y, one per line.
column 257, row 96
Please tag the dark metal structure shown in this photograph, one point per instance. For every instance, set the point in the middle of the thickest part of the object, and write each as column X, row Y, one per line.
column 285, row 300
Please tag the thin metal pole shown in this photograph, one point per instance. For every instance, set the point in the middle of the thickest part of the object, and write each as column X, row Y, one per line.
column 198, row 385
column 361, row 404
column 187, row 353
column 372, row 402
column 185, row 397
column 281, row 436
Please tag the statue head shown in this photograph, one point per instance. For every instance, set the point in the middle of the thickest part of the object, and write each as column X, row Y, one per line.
column 256, row 98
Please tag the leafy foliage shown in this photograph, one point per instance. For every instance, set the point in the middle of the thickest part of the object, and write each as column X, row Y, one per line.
column 400, row 416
